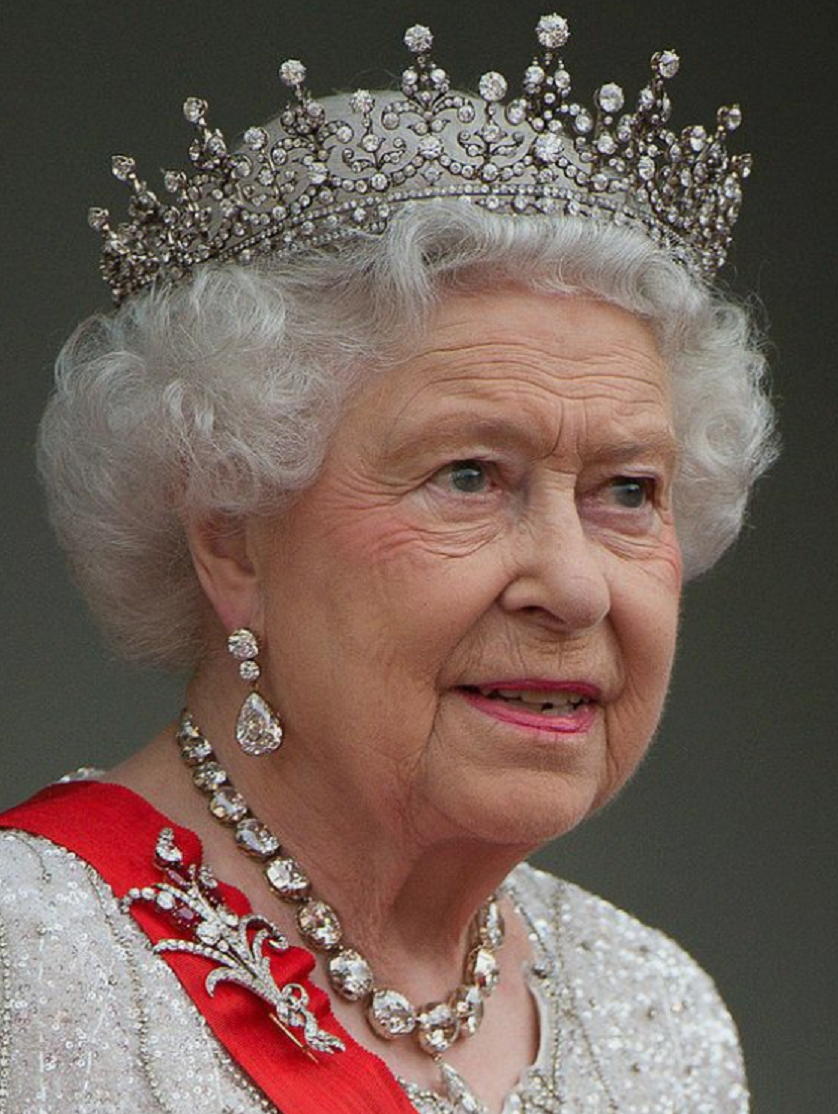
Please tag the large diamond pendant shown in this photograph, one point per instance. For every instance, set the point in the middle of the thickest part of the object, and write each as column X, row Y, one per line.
column 258, row 731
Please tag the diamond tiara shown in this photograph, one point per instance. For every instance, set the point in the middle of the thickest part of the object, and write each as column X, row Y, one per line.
column 325, row 170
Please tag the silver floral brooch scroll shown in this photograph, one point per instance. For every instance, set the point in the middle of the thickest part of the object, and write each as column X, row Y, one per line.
column 241, row 947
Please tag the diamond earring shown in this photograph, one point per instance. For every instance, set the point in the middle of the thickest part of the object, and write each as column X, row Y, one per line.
column 258, row 729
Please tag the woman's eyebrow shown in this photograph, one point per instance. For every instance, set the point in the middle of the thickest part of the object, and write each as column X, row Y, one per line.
column 657, row 442
column 457, row 427
column 460, row 429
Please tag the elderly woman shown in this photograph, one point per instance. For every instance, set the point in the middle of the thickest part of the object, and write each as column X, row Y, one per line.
column 413, row 415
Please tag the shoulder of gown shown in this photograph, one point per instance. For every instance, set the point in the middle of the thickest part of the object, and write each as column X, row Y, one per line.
column 649, row 1018
column 91, row 1020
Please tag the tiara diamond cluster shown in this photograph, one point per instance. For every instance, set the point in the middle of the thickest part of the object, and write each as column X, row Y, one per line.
column 324, row 171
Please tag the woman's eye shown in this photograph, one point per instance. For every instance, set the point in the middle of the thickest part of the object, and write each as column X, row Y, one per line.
column 470, row 477
column 632, row 493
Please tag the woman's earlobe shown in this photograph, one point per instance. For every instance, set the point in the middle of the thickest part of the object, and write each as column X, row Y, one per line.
column 221, row 557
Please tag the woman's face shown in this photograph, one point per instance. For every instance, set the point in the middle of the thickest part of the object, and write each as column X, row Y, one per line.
column 470, row 618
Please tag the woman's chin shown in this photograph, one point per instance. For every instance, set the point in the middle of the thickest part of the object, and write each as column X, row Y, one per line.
column 525, row 811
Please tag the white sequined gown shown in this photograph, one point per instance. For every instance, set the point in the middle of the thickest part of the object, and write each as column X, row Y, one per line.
column 92, row 1022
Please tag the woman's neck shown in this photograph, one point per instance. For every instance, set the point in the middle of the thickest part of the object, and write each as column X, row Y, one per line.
column 406, row 896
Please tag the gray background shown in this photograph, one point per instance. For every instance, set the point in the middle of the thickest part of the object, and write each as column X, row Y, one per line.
column 727, row 838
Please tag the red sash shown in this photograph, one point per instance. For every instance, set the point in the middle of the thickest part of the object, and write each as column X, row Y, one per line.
column 115, row 831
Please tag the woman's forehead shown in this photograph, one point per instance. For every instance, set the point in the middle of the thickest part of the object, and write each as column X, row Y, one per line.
column 518, row 368
column 507, row 344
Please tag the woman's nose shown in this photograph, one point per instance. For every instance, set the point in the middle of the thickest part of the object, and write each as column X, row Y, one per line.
column 558, row 569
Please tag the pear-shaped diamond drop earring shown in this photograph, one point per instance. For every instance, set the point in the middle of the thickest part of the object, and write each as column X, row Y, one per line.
column 258, row 729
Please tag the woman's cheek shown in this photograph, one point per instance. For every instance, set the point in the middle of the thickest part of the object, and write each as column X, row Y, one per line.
column 437, row 525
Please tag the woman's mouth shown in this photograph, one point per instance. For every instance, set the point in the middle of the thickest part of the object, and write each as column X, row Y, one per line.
column 567, row 708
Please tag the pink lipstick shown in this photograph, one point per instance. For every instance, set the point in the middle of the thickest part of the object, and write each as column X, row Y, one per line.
column 560, row 707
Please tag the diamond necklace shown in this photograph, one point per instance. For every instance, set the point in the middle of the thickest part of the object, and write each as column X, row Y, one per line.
column 389, row 1014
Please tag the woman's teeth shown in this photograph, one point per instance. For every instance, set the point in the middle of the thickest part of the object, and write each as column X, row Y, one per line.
column 540, row 700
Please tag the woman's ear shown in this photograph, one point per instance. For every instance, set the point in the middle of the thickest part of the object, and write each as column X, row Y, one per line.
column 223, row 561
